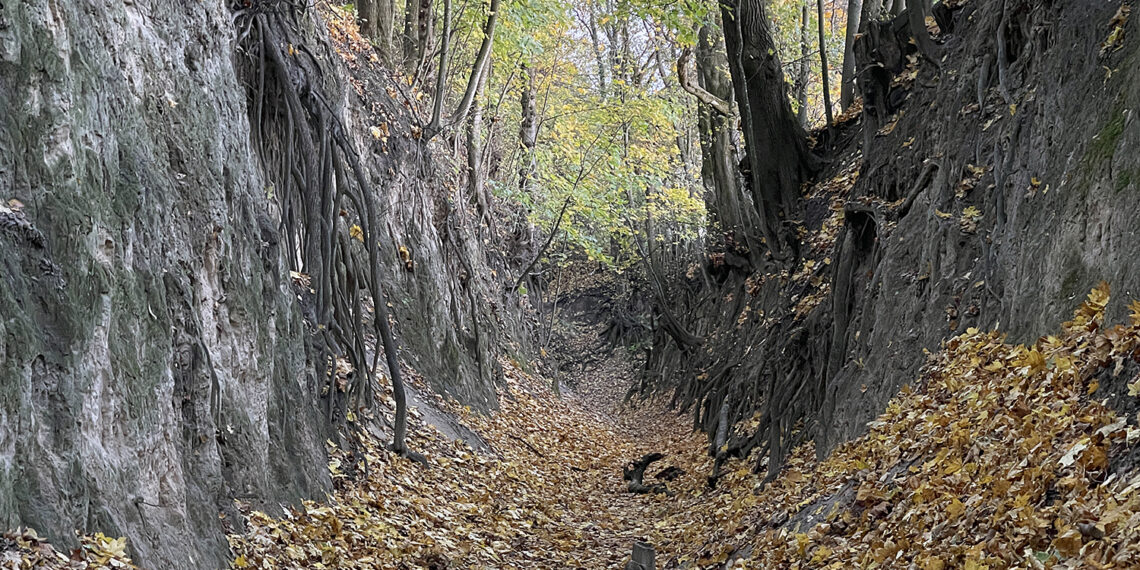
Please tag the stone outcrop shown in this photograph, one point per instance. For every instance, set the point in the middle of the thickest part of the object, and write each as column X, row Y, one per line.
column 155, row 360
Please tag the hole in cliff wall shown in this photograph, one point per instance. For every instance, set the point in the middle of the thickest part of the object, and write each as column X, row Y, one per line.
column 1015, row 34
column 863, row 228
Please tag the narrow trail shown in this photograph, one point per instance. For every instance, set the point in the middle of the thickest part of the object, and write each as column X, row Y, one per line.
column 549, row 493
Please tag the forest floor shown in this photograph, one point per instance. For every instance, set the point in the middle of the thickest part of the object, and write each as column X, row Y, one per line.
column 1000, row 456
column 547, row 493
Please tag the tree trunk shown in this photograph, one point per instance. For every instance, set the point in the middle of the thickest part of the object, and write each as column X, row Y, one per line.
column 411, row 34
column 375, row 20
column 426, row 30
column 778, row 156
column 417, row 31
column 367, row 18
column 918, row 10
column 847, row 89
column 478, row 70
column 441, row 73
column 475, row 175
column 385, row 23
column 726, row 208
column 528, row 128
column 805, row 65
column 823, row 65
column 596, row 43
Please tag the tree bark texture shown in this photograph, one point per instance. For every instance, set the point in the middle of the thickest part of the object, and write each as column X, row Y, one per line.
column 375, row 18
column 847, row 89
column 804, row 68
column 726, row 205
column 528, row 128
column 417, row 30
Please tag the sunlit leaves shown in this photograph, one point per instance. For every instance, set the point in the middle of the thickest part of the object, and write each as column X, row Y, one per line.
column 24, row 548
column 614, row 156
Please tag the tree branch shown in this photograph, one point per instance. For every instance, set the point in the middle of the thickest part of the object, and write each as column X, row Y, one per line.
column 477, row 70
column 550, row 238
column 716, row 103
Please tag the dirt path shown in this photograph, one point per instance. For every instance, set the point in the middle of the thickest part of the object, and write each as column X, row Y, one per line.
column 547, row 493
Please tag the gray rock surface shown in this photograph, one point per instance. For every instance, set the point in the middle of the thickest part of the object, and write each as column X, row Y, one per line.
column 154, row 361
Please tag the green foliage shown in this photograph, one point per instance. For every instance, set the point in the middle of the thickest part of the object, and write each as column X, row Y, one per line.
column 608, row 138
column 617, row 136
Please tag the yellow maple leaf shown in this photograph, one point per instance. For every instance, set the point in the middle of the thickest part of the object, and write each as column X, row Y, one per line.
column 955, row 508
column 1035, row 361
column 1134, row 388
column 1100, row 294
column 820, row 555
column 802, row 542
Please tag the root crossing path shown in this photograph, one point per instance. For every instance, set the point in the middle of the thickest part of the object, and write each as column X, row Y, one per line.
column 546, row 492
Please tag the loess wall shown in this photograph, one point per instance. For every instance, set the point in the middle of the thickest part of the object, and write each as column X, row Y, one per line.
column 154, row 355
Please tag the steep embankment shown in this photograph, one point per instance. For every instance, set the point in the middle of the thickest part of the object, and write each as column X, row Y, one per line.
column 1032, row 145
column 155, row 360
column 991, row 188
column 154, row 357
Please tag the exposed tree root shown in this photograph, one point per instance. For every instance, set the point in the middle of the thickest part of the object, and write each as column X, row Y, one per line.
column 634, row 472
column 324, row 195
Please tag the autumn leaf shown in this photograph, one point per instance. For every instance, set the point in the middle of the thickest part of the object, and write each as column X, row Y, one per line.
column 1069, row 542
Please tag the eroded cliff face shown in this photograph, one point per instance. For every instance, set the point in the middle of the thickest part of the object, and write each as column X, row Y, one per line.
column 996, row 191
column 452, row 306
column 1054, row 212
column 155, row 361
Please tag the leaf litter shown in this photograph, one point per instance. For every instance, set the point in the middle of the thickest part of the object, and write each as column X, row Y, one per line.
column 999, row 457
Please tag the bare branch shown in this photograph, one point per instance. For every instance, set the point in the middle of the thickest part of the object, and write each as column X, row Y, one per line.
column 716, row 103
